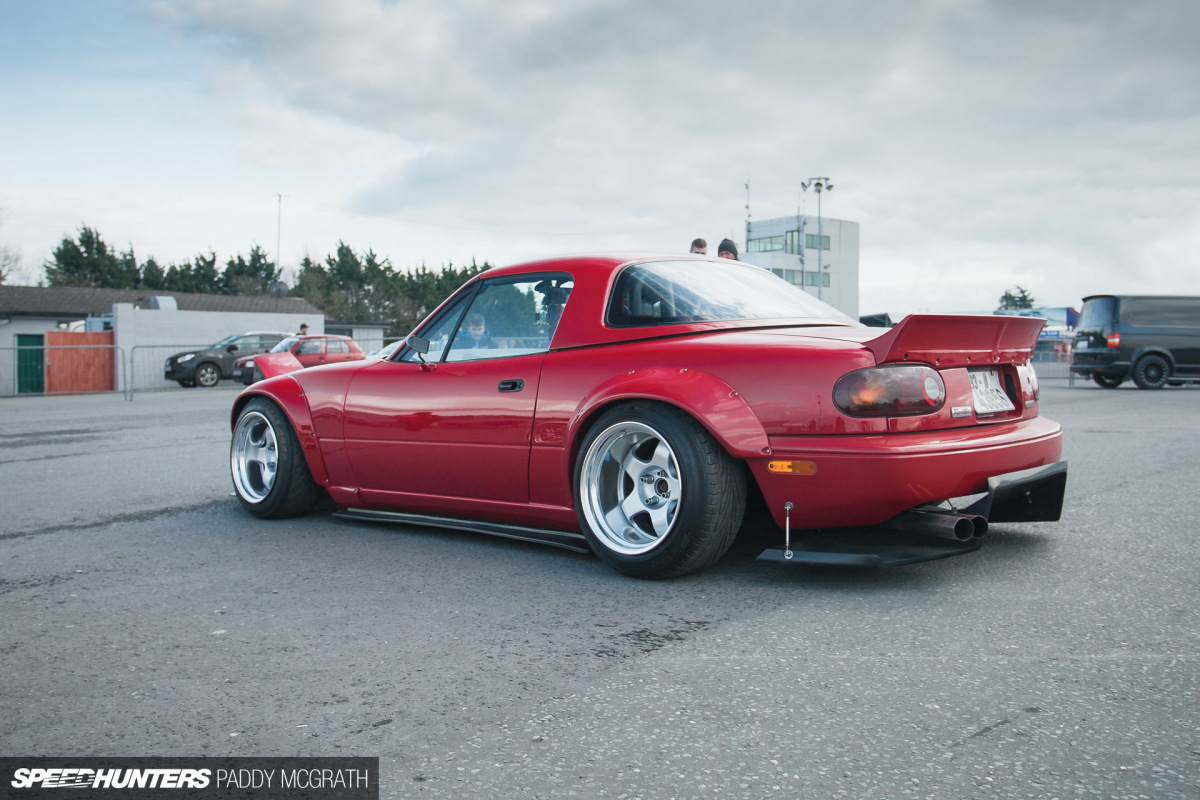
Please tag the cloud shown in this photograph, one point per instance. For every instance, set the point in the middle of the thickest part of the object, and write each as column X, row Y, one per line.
column 976, row 142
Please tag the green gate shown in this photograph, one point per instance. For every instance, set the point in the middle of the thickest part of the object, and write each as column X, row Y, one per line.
column 31, row 364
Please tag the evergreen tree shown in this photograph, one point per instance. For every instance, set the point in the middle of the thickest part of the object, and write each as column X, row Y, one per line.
column 1011, row 300
column 91, row 262
column 153, row 276
column 200, row 276
column 249, row 277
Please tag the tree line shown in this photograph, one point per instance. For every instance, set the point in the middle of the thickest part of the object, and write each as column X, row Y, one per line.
column 345, row 285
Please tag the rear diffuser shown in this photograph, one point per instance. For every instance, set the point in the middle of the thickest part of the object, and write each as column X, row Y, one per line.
column 1031, row 495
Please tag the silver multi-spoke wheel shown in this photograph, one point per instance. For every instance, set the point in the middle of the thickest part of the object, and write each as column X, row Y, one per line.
column 631, row 487
column 207, row 375
column 255, row 457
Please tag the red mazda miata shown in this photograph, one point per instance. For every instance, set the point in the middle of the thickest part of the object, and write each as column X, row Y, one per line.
column 638, row 406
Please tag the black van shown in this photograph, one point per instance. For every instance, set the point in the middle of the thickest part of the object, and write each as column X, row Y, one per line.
column 1154, row 340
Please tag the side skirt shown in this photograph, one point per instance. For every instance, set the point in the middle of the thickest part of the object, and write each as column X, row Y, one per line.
column 569, row 541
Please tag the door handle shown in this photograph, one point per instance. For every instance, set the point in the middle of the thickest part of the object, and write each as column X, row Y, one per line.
column 512, row 385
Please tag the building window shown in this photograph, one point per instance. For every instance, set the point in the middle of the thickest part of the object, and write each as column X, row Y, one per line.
column 810, row 241
column 765, row 244
column 793, row 238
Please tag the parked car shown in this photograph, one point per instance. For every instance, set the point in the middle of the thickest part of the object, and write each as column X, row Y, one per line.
column 387, row 350
column 206, row 366
column 309, row 351
column 635, row 407
column 1154, row 340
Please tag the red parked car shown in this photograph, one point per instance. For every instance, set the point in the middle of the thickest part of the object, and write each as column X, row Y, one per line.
column 299, row 352
column 635, row 407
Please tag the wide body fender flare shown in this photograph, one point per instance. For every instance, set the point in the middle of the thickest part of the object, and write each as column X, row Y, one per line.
column 711, row 401
column 289, row 396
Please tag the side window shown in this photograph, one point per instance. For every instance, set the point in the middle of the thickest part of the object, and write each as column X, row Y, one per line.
column 338, row 346
column 310, row 347
column 511, row 317
column 440, row 332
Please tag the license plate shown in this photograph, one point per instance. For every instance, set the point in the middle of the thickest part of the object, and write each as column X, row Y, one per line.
column 237, row 373
column 989, row 396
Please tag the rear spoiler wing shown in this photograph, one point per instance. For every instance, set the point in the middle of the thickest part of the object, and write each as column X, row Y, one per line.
column 954, row 341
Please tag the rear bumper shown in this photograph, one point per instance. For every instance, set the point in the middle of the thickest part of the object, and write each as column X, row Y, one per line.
column 864, row 480
column 1099, row 362
column 1032, row 495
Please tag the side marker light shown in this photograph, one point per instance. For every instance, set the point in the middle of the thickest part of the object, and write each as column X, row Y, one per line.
column 793, row 467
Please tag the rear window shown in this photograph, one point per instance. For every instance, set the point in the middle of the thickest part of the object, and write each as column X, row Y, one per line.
column 1098, row 313
column 674, row 292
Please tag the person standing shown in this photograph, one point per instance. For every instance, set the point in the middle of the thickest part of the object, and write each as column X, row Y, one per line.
column 727, row 249
column 700, row 247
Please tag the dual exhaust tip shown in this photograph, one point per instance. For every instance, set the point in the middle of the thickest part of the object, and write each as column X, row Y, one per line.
column 940, row 524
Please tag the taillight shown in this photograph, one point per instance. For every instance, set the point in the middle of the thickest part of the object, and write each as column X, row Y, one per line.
column 890, row 391
column 1114, row 341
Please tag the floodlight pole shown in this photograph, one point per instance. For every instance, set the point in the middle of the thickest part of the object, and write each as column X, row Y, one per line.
column 820, row 185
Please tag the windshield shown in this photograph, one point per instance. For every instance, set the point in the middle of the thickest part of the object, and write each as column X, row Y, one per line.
column 228, row 340
column 673, row 292
column 286, row 344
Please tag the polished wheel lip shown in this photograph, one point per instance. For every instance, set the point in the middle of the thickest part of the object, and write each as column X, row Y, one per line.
column 254, row 457
column 630, row 488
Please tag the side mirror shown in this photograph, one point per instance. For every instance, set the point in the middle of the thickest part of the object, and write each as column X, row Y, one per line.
column 420, row 347
column 232, row 348
column 417, row 344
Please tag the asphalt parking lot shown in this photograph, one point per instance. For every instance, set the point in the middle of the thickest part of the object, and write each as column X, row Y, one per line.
column 145, row 614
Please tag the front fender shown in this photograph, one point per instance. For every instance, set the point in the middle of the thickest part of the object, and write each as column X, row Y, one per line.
column 286, row 393
column 711, row 401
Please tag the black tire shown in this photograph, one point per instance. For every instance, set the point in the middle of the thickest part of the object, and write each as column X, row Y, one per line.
column 284, row 488
column 207, row 375
column 1105, row 381
column 687, row 503
column 1151, row 372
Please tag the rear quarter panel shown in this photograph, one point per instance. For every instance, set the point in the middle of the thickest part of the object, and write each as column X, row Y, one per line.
column 743, row 387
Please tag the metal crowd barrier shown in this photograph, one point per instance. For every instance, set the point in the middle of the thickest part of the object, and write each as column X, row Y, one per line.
column 1052, row 359
column 147, row 362
column 32, row 370
column 146, row 367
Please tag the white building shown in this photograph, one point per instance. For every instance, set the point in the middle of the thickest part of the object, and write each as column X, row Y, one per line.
column 830, row 251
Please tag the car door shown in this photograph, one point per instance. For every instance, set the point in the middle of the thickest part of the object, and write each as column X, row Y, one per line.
column 459, row 425
column 336, row 350
column 310, row 352
column 242, row 345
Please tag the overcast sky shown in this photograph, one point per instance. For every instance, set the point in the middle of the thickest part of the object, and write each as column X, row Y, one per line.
column 979, row 145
